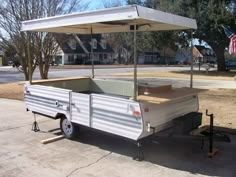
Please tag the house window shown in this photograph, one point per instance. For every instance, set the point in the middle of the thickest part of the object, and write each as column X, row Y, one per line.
column 96, row 56
column 100, row 57
column 58, row 59
column 71, row 59
column 148, row 58
column 105, row 56
column 72, row 44
column 104, row 44
column 94, row 43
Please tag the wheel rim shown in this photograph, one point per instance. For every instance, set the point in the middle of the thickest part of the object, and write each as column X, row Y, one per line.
column 67, row 127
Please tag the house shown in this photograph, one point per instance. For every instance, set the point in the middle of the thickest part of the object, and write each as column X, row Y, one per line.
column 149, row 58
column 183, row 56
column 164, row 56
column 76, row 49
column 203, row 54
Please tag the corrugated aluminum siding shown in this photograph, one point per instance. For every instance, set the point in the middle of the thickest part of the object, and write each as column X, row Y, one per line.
column 47, row 100
column 160, row 114
column 115, row 115
column 80, row 108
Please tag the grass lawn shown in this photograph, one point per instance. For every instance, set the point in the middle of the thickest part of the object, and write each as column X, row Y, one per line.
column 12, row 90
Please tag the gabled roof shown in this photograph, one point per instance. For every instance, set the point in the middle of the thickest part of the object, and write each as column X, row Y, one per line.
column 117, row 19
column 205, row 51
column 85, row 39
column 63, row 39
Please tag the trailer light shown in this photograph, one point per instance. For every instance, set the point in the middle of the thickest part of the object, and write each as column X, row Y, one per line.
column 26, row 90
column 148, row 126
column 136, row 113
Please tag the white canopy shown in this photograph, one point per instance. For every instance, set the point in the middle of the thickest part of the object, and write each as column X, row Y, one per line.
column 118, row 19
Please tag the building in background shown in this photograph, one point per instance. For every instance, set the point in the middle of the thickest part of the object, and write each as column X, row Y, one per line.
column 201, row 54
column 183, row 56
column 76, row 49
column 149, row 58
column 164, row 56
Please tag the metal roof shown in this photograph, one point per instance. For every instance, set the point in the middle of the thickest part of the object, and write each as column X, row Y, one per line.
column 118, row 19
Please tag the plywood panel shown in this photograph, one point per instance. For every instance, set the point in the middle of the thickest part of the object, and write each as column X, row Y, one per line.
column 162, row 97
column 153, row 89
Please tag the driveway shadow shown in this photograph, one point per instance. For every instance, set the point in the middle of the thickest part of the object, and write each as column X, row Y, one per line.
column 182, row 154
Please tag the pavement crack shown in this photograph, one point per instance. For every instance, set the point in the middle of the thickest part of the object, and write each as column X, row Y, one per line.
column 88, row 165
column 24, row 125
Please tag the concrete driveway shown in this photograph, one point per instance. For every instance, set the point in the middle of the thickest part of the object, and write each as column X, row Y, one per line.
column 95, row 154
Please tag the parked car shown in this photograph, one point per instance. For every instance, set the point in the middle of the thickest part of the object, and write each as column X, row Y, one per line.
column 230, row 65
column 10, row 63
column 14, row 63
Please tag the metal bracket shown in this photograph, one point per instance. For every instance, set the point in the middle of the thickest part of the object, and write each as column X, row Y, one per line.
column 140, row 156
column 35, row 126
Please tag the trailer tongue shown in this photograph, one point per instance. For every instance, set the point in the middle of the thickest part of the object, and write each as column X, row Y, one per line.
column 123, row 108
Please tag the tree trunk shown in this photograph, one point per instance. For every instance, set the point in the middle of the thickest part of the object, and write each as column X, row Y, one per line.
column 220, row 55
column 43, row 69
column 44, row 66
column 26, row 75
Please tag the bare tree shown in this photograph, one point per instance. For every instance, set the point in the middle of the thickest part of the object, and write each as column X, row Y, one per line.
column 33, row 47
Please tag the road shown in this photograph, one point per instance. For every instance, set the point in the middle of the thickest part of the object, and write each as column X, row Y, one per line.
column 8, row 74
column 11, row 75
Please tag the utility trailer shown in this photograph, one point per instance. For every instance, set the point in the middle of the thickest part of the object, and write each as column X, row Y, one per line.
column 125, row 108
column 108, row 105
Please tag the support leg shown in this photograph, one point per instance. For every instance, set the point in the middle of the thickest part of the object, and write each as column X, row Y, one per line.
column 212, row 152
column 140, row 155
column 35, row 126
column 202, row 143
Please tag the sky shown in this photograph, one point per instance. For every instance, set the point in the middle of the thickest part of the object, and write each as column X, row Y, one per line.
column 98, row 4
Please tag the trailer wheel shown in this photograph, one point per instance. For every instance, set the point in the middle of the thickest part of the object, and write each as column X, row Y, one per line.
column 68, row 129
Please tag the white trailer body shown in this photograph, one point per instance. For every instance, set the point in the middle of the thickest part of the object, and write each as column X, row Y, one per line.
column 106, row 111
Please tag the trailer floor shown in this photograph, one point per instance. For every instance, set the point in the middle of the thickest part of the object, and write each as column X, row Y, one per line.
column 95, row 154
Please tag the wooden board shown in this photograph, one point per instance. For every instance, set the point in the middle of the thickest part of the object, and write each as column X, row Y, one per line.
column 58, row 79
column 163, row 97
column 50, row 140
column 153, row 89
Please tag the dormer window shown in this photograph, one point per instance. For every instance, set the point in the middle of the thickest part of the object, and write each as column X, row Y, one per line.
column 203, row 51
column 94, row 43
column 72, row 44
column 104, row 44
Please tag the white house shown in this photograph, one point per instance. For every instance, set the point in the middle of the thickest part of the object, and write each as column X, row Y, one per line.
column 76, row 49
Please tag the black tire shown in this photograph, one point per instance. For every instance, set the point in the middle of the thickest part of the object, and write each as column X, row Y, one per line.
column 68, row 129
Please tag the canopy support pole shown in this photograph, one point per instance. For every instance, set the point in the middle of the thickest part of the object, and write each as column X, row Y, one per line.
column 135, row 62
column 91, row 52
column 191, row 71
